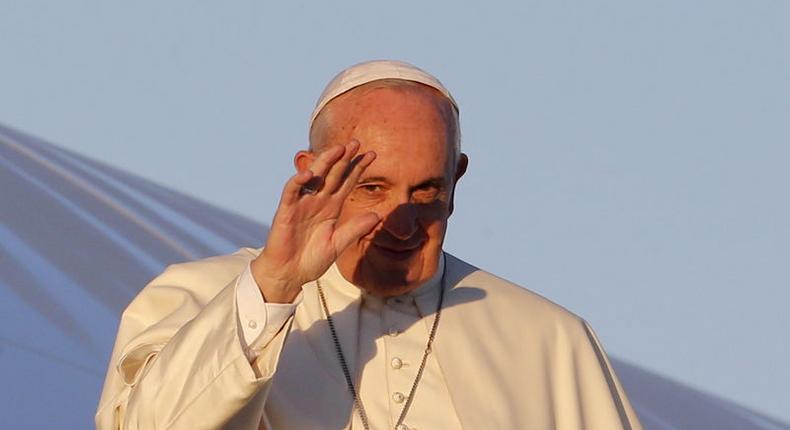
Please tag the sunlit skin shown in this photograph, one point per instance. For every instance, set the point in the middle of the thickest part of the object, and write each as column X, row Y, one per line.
column 394, row 204
column 410, row 186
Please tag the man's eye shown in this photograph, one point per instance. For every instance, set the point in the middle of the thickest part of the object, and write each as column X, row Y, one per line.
column 427, row 194
column 371, row 188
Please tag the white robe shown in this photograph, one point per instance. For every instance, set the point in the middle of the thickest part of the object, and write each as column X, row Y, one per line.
column 510, row 359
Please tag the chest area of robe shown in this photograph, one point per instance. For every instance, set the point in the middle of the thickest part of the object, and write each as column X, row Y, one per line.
column 384, row 344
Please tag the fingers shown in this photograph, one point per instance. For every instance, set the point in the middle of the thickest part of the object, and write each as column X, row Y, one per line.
column 312, row 177
column 292, row 189
column 327, row 159
column 339, row 170
column 358, row 165
column 334, row 171
column 354, row 229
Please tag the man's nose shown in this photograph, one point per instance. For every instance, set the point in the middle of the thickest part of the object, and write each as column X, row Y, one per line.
column 402, row 221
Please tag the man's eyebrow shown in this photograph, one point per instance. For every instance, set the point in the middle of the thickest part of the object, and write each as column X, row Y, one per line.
column 374, row 179
column 438, row 182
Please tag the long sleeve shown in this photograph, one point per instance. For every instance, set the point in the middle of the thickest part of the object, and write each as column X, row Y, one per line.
column 179, row 360
column 259, row 320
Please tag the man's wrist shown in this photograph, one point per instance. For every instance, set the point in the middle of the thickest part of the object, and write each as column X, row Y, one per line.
column 275, row 290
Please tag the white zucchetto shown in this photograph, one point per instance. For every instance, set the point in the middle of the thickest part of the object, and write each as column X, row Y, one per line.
column 370, row 71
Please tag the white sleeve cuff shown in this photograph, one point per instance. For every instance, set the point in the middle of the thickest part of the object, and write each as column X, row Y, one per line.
column 259, row 320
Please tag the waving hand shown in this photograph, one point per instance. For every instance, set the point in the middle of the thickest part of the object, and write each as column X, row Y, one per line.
column 305, row 237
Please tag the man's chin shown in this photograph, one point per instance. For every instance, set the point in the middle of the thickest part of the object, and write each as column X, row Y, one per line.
column 386, row 277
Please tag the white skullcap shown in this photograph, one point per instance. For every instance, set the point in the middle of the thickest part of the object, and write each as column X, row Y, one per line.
column 370, row 71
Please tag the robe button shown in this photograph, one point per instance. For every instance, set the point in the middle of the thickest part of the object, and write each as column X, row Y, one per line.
column 393, row 332
column 398, row 397
column 396, row 363
column 253, row 325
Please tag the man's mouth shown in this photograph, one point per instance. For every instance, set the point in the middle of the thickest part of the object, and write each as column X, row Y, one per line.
column 397, row 252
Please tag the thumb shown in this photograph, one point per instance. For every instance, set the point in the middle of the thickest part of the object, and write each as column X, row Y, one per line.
column 353, row 229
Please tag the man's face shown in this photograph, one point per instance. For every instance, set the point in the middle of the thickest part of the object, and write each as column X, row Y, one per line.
column 409, row 185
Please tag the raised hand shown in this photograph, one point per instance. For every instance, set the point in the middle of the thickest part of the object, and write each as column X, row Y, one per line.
column 305, row 237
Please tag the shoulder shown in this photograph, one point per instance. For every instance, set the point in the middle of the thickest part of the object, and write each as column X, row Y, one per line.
column 190, row 284
column 504, row 302
column 208, row 271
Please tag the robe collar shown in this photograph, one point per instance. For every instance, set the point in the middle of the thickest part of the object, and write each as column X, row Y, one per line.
column 344, row 300
column 425, row 296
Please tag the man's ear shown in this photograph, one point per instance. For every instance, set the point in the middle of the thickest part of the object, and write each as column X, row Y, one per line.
column 303, row 160
column 460, row 169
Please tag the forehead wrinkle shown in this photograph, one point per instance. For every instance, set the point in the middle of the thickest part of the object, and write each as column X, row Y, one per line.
column 325, row 131
column 346, row 114
column 349, row 104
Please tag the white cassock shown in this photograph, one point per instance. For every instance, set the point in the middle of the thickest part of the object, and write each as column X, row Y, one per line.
column 198, row 349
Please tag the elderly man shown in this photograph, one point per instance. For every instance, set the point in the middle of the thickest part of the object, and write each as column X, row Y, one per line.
column 352, row 316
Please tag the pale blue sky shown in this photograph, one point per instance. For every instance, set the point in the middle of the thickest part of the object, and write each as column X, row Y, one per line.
column 629, row 159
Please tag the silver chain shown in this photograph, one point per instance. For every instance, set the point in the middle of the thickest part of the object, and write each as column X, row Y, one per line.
column 344, row 366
